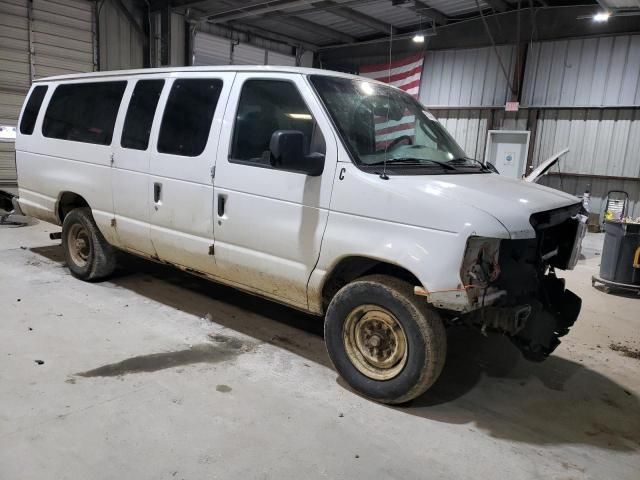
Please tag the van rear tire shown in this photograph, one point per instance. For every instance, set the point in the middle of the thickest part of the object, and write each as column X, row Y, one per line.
column 88, row 255
column 386, row 343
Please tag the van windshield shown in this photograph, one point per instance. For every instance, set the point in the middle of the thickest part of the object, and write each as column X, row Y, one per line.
column 382, row 124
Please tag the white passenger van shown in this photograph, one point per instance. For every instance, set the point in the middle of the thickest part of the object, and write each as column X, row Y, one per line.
column 328, row 192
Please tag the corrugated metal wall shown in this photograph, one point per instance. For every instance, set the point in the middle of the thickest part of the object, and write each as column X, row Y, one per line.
column 244, row 54
column 510, row 120
column 275, row 58
column 256, row 41
column 39, row 39
column 598, row 188
column 62, row 37
column 121, row 46
column 599, row 72
column 601, row 142
column 583, row 72
column 216, row 50
column 14, row 75
column 468, row 127
column 573, row 74
column 177, row 53
column 470, row 77
column 211, row 50
column 14, row 49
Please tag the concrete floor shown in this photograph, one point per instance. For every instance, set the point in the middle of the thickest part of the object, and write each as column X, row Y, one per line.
column 156, row 374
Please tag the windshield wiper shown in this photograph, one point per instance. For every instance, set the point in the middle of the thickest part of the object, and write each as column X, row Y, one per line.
column 466, row 159
column 413, row 161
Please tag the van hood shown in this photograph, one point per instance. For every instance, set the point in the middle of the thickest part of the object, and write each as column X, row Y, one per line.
column 511, row 202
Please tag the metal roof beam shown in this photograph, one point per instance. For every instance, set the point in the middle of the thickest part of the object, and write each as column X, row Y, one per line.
column 269, row 35
column 335, row 8
column 355, row 16
column 312, row 27
column 498, row 5
column 257, row 10
column 430, row 12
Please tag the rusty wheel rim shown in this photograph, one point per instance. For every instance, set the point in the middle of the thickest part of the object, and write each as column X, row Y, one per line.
column 375, row 342
column 79, row 244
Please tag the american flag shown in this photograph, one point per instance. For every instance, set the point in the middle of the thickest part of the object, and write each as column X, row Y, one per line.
column 404, row 74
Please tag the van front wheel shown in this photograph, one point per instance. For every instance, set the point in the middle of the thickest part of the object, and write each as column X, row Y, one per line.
column 88, row 255
column 387, row 344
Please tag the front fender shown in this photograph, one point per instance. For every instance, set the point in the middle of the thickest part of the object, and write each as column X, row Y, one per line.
column 433, row 256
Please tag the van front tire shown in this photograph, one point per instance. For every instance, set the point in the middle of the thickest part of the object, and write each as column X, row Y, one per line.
column 88, row 255
column 386, row 344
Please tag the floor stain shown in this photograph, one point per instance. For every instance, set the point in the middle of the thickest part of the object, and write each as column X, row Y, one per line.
column 225, row 348
column 626, row 350
column 223, row 388
column 231, row 342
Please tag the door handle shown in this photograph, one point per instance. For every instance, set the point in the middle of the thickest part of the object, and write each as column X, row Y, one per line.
column 157, row 192
column 221, row 202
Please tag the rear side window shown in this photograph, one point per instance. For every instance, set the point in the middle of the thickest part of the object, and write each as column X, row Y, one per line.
column 84, row 112
column 30, row 114
column 187, row 117
column 142, row 108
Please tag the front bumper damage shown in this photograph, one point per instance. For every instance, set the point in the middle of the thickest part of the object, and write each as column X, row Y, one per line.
column 512, row 287
column 534, row 324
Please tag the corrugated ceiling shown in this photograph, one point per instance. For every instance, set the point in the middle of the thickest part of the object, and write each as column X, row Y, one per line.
column 355, row 18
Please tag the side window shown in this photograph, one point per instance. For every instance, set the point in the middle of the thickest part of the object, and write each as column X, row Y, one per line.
column 140, row 113
column 267, row 106
column 28, row 122
column 187, row 117
column 84, row 112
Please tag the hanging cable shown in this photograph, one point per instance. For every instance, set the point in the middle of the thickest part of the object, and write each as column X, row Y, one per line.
column 518, row 76
column 495, row 48
column 532, row 16
column 384, row 175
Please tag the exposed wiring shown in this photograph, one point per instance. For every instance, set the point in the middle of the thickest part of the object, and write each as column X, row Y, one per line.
column 462, row 289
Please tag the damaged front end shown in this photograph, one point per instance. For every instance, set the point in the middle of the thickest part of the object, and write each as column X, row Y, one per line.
column 513, row 288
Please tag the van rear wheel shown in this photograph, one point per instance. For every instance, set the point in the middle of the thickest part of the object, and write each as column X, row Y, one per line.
column 88, row 255
column 387, row 344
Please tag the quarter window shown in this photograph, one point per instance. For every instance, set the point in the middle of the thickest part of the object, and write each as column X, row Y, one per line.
column 142, row 108
column 188, row 115
column 30, row 114
column 84, row 112
column 265, row 107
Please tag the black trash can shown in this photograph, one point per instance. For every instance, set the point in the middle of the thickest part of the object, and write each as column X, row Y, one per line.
column 620, row 262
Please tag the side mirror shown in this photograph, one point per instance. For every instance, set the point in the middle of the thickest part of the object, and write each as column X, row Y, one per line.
column 287, row 153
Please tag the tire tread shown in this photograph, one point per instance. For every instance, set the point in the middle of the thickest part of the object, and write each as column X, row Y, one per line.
column 430, row 326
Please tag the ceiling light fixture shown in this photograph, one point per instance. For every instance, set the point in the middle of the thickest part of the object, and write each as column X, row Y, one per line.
column 419, row 36
column 601, row 17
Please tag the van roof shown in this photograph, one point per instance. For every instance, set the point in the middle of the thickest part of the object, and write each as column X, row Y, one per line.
column 173, row 70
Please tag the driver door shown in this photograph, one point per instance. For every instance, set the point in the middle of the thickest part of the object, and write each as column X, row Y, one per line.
column 269, row 222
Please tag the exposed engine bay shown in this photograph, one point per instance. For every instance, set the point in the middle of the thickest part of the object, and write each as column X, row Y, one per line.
column 513, row 287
